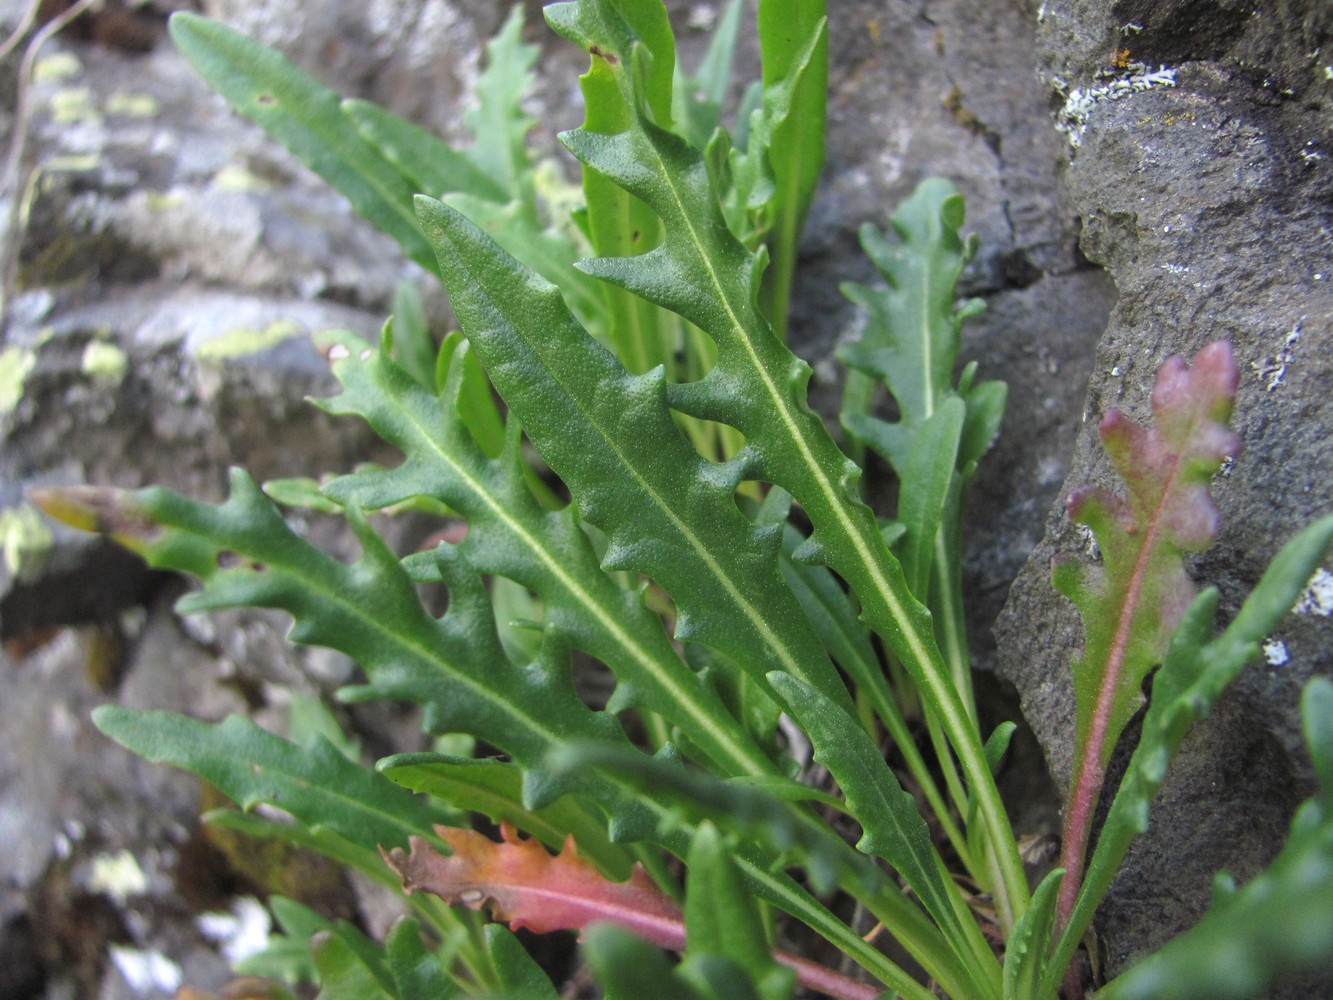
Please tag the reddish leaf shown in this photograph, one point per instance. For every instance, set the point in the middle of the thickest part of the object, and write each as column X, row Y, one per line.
column 1132, row 603
column 528, row 887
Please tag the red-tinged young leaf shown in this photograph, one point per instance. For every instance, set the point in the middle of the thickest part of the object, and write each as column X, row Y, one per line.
column 525, row 886
column 1132, row 603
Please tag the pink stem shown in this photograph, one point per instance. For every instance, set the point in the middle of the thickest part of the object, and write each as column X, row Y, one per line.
column 826, row 981
column 1090, row 771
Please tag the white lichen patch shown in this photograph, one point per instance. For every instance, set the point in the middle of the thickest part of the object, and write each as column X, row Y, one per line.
column 702, row 17
column 1318, row 596
column 1080, row 102
column 239, row 934
column 1089, row 540
column 1275, row 370
column 146, row 972
column 1275, row 652
column 117, row 876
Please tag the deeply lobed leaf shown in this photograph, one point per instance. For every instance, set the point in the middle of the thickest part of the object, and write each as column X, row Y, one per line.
column 1133, row 602
column 611, row 438
column 525, row 886
column 247, row 556
column 701, row 272
column 1197, row 668
column 511, row 534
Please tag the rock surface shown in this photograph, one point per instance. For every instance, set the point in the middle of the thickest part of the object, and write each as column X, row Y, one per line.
column 1208, row 197
column 175, row 262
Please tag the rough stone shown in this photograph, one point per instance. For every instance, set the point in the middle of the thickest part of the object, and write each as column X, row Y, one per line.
column 1209, row 203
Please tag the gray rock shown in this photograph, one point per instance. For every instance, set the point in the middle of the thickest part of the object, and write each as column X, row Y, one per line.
column 1208, row 200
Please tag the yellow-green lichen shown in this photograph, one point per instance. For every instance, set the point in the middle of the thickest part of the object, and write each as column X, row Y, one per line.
column 234, row 177
column 57, row 66
column 248, row 340
column 25, row 540
column 74, row 105
column 104, row 362
column 15, row 363
column 132, row 105
column 159, row 201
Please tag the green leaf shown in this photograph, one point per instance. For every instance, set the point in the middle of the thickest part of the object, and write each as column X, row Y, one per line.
column 511, row 535
column 760, row 812
column 426, row 162
column 370, row 611
column 307, row 118
column 927, row 481
column 247, row 556
column 1025, row 951
column 758, row 387
column 793, row 43
column 518, row 976
column 833, row 615
column 416, row 971
column 308, row 719
column 549, row 252
column 910, row 342
column 998, row 744
column 910, row 345
column 718, row 978
column 413, row 346
column 619, row 224
column 1281, row 922
column 721, row 917
column 610, row 436
column 300, row 491
column 629, row 968
column 638, row 26
column 317, row 837
column 697, row 100
column 350, row 967
column 498, row 121
column 755, row 206
column 892, row 828
column 316, row 783
column 1196, row 670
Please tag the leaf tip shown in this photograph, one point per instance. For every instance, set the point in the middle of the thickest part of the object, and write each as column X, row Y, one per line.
column 104, row 510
